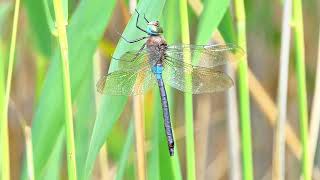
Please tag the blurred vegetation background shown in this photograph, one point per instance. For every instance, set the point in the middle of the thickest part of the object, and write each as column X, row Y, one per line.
column 106, row 145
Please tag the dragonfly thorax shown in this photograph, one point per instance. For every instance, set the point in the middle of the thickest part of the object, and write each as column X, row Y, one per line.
column 157, row 47
column 156, row 41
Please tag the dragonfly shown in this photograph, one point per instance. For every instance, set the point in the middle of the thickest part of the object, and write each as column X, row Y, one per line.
column 157, row 63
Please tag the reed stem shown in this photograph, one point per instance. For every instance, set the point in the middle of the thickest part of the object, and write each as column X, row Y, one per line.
column 233, row 131
column 278, row 166
column 29, row 152
column 139, row 133
column 232, row 107
column 190, row 149
column 301, row 81
column 28, row 140
column 244, row 99
column 4, row 132
column 169, row 33
column 202, row 117
column 63, row 42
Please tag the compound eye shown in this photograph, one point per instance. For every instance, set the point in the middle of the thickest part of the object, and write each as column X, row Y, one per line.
column 156, row 23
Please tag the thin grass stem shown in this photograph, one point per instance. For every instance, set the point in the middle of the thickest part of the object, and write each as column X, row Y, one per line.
column 139, row 133
column 169, row 33
column 301, row 82
column 190, row 148
column 63, row 42
column 244, row 99
column 203, row 119
column 4, row 139
column 49, row 18
column 278, row 166
column 28, row 140
column 232, row 119
column 29, row 152
column 233, row 131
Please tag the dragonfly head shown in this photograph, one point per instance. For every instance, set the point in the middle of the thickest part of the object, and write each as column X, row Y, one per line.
column 154, row 29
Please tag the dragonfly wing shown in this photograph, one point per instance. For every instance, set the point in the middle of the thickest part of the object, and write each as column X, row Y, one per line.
column 204, row 80
column 133, row 60
column 124, row 83
column 205, row 55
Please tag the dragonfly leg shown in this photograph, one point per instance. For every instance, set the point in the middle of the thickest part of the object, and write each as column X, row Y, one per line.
column 145, row 18
column 133, row 41
column 138, row 21
column 139, row 52
column 136, row 55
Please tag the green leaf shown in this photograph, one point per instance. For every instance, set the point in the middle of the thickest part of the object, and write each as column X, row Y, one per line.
column 125, row 153
column 112, row 106
column 226, row 28
column 170, row 21
column 84, row 32
column 39, row 28
column 84, row 119
column 49, row 11
column 154, row 160
column 53, row 166
column 210, row 18
column 65, row 9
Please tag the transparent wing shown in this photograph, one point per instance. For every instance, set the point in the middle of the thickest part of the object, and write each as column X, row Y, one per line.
column 126, row 82
column 204, row 80
column 135, row 60
column 206, row 55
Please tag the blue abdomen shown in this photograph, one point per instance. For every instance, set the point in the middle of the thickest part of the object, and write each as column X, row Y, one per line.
column 157, row 70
